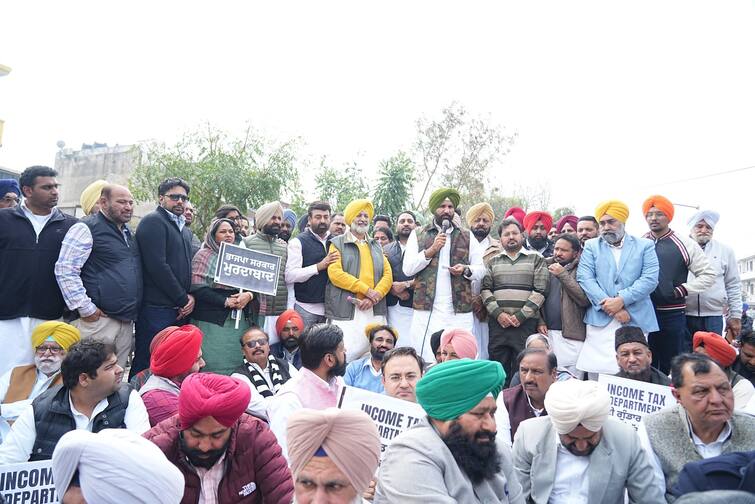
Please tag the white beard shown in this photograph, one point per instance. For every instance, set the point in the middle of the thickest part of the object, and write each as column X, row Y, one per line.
column 48, row 366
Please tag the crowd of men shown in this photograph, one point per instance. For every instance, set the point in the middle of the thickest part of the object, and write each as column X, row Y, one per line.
column 500, row 337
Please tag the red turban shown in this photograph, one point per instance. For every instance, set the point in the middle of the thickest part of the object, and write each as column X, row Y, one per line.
column 661, row 203
column 176, row 351
column 160, row 337
column 516, row 213
column 531, row 219
column 716, row 347
column 570, row 219
column 212, row 395
column 285, row 317
column 463, row 342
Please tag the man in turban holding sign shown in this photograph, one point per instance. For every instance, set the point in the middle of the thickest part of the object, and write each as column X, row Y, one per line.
column 452, row 456
column 578, row 454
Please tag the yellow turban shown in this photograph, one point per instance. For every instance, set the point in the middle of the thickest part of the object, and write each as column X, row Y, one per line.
column 355, row 207
column 615, row 208
column 64, row 334
column 475, row 211
column 374, row 325
column 91, row 195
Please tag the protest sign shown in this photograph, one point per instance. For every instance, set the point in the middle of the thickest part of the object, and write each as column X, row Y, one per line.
column 391, row 416
column 247, row 269
column 632, row 400
column 28, row 483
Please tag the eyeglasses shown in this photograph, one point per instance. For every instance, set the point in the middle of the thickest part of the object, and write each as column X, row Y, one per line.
column 10, row 199
column 177, row 197
column 55, row 350
column 254, row 343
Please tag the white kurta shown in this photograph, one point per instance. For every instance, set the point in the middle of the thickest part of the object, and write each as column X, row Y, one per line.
column 567, row 350
column 354, row 338
column 598, row 354
column 480, row 329
column 16, row 336
column 400, row 318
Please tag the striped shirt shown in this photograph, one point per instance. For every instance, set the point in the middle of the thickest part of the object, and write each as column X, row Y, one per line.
column 515, row 286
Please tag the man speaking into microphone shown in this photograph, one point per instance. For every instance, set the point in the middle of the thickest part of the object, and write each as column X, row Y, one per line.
column 438, row 254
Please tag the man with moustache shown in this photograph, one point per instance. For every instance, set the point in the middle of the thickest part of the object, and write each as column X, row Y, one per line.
column 452, row 455
column 537, row 372
column 480, row 218
column 745, row 363
column 537, row 224
column 367, row 373
column 269, row 218
column 401, row 295
column 587, row 228
column 579, row 454
column 101, row 250
column 289, row 327
column 287, row 225
column 634, row 357
column 30, row 238
column 196, row 244
column 10, row 193
column 337, row 224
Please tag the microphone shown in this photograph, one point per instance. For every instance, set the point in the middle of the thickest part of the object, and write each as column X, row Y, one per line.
column 445, row 225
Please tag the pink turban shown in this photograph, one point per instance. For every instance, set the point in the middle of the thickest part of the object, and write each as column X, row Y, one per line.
column 516, row 213
column 531, row 219
column 285, row 317
column 462, row 341
column 176, row 352
column 349, row 438
column 570, row 219
column 208, row 394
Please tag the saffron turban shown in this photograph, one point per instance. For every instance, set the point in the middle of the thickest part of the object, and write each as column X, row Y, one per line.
column 439, row 196
column 266, row 212
column 116, row 466
column 208, row 394
column 716, row 347
column 463, row 342
column 480, row 209
column 516, row 213
column 615, row 208
column 370, row 327
column 355, row 208
column 91, row 194
column 567, row 219
column 9, row 185
column 349, row 438
column 709, row 216
column 571, row 403
column 286, row 317
column 661, row 203
column 177, row 352
column 290, row 216
column 533, row 217
column 64, row 334
column 450, row 389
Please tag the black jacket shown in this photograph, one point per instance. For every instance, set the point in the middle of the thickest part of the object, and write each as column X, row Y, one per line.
column 210, row 305
column 27, row 265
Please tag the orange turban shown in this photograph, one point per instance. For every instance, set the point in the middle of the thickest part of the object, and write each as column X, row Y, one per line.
column 208, row 394
column 661, row 203
column 716, row 347
column 177, row 352
column 531, row 219
column 615, row 208
column 463, row 341
column 285, row 317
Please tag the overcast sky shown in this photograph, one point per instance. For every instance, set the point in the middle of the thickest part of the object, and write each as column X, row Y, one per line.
column 609, row 99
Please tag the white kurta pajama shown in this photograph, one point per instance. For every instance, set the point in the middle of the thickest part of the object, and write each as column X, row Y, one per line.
column 480, row 329
column 400, row 318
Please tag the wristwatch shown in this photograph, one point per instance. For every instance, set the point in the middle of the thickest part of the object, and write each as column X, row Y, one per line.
column 467, row 272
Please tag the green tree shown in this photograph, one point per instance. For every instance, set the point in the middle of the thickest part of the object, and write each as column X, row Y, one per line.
column 561, row 211
column 393, row 190
column 340, row 186
column 247, row 171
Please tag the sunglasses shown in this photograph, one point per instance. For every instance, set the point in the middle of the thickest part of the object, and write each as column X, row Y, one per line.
column 177, row 197
column 254, row 343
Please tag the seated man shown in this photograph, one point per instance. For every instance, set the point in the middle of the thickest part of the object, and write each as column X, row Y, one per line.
column 92, row 397
column 578, row 454
column 402, row 368
column 366, row 373
column 177, row 355
column 289, row 327
column 225, row 455
column 458, row 343
column 20, row 385
column 702, row 425
column 634, row 357
column 452, row 456
column 717, row 348
column 334, row 455
column 745, row 364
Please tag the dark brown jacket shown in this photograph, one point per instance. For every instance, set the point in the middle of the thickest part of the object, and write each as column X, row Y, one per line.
column 573, row 302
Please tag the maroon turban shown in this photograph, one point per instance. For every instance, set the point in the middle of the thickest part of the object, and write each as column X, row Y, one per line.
column 516, row 213
column 571, row 219
column 177, row 352
column 716, row 347
column 212, row 395
column 531, row 219
column 285, row 317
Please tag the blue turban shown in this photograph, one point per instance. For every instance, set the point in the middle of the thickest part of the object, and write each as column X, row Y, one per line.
column 290, row 216
column 9, row 185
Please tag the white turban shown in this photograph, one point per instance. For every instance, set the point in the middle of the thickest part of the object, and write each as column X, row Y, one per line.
column 116, row 466
column 266, row 212
column 709, row 216
column 572, row 403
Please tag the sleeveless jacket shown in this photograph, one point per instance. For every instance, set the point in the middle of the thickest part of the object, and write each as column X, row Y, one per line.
column 396, row 258
column 312, row 252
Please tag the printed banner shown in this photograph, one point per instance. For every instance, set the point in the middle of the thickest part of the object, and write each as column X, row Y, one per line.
column 28, row 483
column 247, row 269
column 632, row 400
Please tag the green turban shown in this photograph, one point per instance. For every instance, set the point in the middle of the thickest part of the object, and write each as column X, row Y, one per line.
column 440, row 194
column 453, row 388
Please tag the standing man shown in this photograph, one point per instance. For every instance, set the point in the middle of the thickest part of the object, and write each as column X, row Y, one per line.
column 438, row 255
column 587, row 228
column 165, row 247
column 678, row 256
column 101, row 251
column 30, row 238
column 10, row 193
column 196, row 243
column 367, row 373
column 401, row 296
column 359, row 280
column 337, row 224
column 706, row 309
column 90, row 197
column 513, row 292
column 269, row 218
column 287, row 225
column 480, row 218
column 537, row 224
column 617, row 272
column 307, row 264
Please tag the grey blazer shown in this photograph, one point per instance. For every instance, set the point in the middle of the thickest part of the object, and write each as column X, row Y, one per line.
column 618, row 463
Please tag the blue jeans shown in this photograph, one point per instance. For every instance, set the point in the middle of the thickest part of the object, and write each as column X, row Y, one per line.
column 152, row 320
column 706, row 324
column 668, row 341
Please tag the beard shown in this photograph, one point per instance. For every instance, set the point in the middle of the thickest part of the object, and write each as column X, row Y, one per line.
column 479, row 461
column 48, row 365
column 198, row 458
column 702, row 240
column 613, row 237
column 320, row 229
column 271, row 229
column 361, row 230
column 481, row 233
column 339, row 370
column 285, row 235
column 377, row 354
column 538, row 242
column 291, row 343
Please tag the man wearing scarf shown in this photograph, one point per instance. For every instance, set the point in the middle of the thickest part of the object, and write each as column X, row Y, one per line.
column 225, row 455
column 269, row 218
column 480, row 218
column 439, row 255
column 537, row 224
column 10, row 193
column 452, row 456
